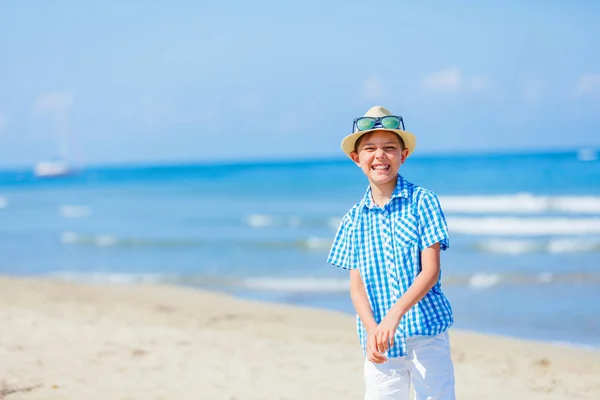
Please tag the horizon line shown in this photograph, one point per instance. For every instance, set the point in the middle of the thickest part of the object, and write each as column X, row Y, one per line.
column 296, row 159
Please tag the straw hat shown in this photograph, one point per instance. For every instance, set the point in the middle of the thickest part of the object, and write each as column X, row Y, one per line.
column 410, row 141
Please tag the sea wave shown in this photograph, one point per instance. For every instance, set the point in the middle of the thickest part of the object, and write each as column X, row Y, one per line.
column 109, row 240
column 111, row 278
column 300, row 284
column 521, row 203
column 523, row 214
column 521, row 246
column 322, row 244
column 487, row 225
column 311, row 284
column 513, row 226
column 478, row 281
column 289, row 221
column 311, row 243
column 74, row 211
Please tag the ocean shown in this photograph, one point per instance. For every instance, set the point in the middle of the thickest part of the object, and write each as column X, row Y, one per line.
column 524, row 257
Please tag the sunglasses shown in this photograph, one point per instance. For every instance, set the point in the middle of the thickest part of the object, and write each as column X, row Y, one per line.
column 387, row 122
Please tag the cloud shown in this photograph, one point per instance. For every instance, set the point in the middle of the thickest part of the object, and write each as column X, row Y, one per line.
column 533, row 90
column 373, row 88
column 449, row 80
column 588, row 83
column 56, row 104
column 452, row 80
column 3, row 121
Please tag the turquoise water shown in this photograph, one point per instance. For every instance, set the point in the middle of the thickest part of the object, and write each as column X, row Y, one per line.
column 525, row 233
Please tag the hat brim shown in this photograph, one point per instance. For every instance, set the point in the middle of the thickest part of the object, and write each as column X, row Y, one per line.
column 348, row 143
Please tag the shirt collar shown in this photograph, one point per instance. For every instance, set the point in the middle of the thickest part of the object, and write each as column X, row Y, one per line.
column 401, row 190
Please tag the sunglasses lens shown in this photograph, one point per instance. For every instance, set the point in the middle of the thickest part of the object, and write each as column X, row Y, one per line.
column 364, row 124
column 390, row 122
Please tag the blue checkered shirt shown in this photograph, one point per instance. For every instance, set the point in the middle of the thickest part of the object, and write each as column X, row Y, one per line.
column 385, row 244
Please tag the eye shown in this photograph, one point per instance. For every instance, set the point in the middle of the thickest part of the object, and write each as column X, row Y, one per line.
column 390, row 148
column 369, row 148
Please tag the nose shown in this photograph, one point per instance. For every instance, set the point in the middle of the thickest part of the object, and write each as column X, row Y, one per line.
column 379, row 153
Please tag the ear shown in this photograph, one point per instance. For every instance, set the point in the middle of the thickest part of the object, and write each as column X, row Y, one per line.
column 403, row 156
column 354, row 156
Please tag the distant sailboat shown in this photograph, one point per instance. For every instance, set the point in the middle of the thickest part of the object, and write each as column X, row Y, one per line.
column 48, row 169
column 55, row 168
column 57, row 106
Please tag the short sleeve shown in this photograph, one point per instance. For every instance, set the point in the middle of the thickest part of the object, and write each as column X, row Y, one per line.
column 432, row 222
column 342, row 253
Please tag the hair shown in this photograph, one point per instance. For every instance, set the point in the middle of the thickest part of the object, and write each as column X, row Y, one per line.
column 360, row 139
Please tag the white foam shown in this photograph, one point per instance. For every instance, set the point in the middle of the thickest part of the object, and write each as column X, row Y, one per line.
column 509, row 246
column 572, row 246
column 508, row 226
column 544, row 277
column 3, row 202
column 106, row 240
column 522, row 203
column 291, row 221
column 332, row 285
column 260, row 220
column 478, row 281
column 521, row 246
column 317, row 243
column 264, row 220
column 107, row 277
column 98, row 240
column 484, row 281
column 73, row 211
column 69, row 237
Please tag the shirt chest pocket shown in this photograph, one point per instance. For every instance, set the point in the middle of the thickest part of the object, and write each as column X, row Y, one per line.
column 406, row 231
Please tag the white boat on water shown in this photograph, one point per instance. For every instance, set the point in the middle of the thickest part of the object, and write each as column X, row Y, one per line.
column 48, row 169
column 56, row 166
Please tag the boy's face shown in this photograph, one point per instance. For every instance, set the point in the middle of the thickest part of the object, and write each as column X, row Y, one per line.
column 380, row 155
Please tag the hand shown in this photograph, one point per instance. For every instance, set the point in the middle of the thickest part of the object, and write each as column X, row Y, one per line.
column 373, row 354
column 386, row 330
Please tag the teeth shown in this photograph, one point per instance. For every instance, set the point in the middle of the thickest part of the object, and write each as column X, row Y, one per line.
column 380, row 167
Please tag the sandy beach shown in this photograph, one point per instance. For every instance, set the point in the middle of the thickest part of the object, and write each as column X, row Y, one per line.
column 73, row 341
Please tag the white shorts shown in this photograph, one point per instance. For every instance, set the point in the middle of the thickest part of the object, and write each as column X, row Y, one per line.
column 428, row 366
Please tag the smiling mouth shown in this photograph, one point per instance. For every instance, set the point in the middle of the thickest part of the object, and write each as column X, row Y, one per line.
column 380, row 167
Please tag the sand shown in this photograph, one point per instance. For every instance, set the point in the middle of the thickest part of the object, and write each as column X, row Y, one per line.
column 73, row 341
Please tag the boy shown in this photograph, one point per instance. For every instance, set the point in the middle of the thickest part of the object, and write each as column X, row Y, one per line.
column 391, row 242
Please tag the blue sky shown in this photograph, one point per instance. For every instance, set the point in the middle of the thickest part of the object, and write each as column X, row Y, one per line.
column 149, row 81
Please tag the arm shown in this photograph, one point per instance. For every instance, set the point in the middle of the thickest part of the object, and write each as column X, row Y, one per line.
column 430, row 272
column 358, row 294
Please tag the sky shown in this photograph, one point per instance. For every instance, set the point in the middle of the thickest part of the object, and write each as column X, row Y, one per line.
column 119, row 82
